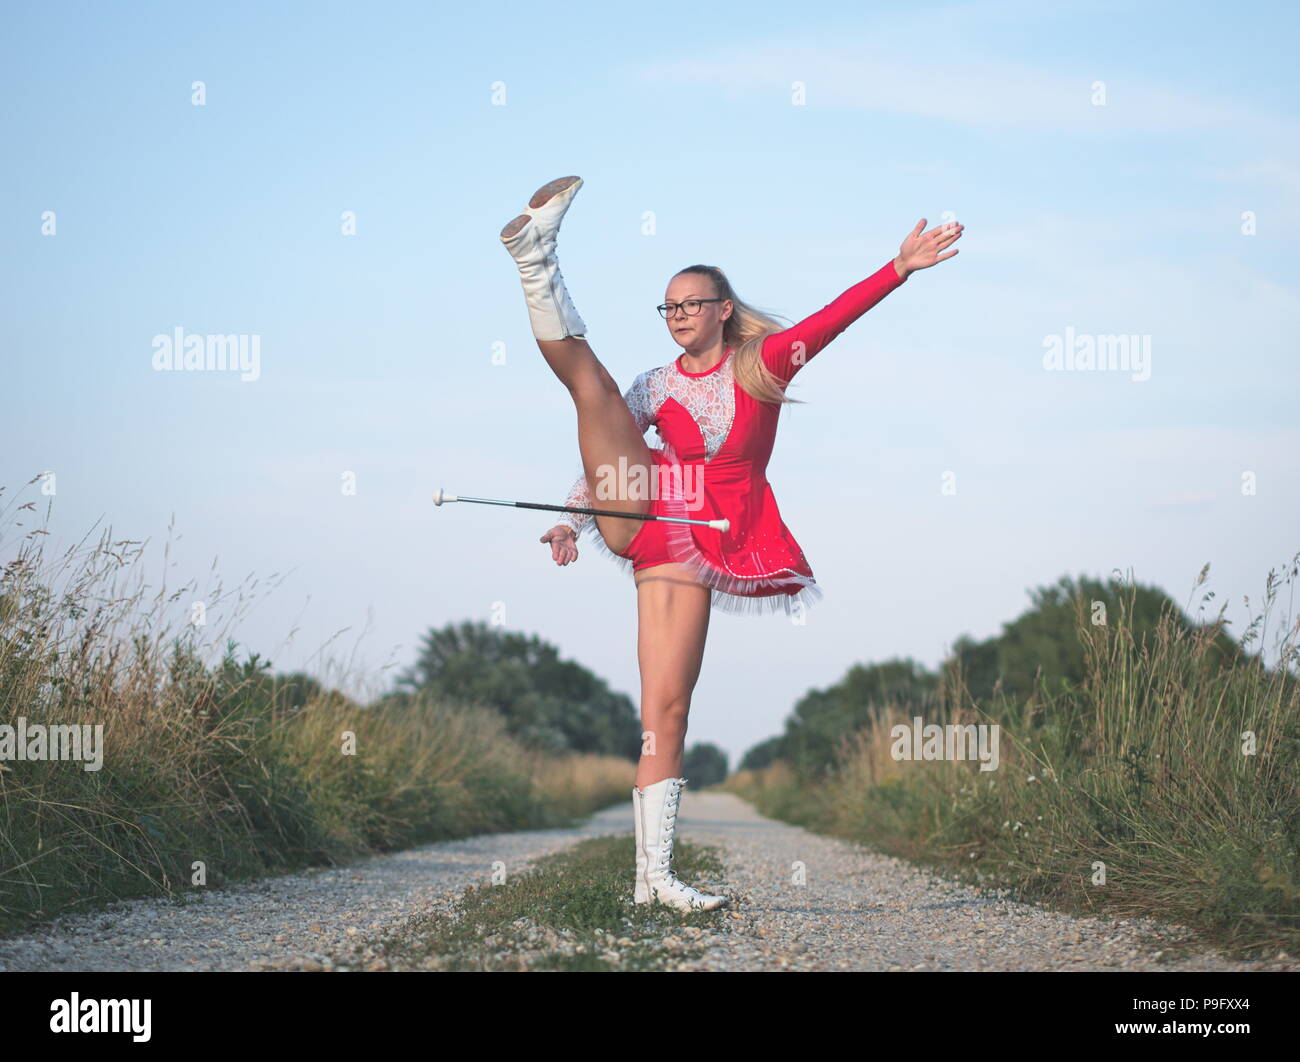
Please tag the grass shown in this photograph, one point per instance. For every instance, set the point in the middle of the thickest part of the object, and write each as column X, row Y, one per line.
column 1166, row 785
column 215, row 770
column 572, row 911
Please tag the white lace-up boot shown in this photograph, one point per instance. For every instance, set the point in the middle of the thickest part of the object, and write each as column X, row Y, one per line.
column 658, row 823
column 530, row 238
column 642, row 892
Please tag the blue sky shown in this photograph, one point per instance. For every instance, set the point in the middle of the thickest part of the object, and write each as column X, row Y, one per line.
column 377, row 349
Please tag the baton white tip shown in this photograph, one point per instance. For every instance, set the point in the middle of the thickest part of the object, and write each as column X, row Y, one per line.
column 440, row 496
column 720, row 525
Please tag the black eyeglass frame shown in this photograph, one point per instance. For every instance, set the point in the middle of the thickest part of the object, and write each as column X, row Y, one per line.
column 665, row 313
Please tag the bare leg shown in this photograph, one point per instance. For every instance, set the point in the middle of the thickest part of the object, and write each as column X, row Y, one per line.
column 607, row 431
column 608, row 436
column 672, row 622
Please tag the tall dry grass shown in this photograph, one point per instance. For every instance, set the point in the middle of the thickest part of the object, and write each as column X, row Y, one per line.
column 209, row 761
column 1167, row 784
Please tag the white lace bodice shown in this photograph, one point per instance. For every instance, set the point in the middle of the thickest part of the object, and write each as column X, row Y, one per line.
column 710, row 398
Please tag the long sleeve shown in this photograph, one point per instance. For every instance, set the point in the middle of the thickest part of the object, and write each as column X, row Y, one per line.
column 580, row 495
column 640, row 402
column 785, row 353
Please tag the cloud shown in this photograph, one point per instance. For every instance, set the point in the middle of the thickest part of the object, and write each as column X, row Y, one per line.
column 1274, row 171
column 874, row 68
column 1185, row 499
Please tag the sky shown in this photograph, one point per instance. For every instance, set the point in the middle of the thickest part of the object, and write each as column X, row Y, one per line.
column 328, row 181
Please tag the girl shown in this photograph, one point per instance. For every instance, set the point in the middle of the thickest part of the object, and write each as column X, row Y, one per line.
column 715, row 409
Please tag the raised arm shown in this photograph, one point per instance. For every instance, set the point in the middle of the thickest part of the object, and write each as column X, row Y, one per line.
column 785, row 353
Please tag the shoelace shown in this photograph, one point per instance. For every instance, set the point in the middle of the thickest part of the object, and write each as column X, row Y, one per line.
column 671, row 802
column 670, row 819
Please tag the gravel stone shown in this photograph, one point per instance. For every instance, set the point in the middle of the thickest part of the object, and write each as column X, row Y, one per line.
column 313, row 920
column 860, row 910
column 855, row 910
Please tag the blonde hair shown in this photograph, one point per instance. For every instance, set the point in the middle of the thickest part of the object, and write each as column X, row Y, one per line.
column 745, row 330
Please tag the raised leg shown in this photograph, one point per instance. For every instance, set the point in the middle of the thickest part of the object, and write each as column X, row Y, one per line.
column 672, row 625
column 608, row 436
column 607, row 431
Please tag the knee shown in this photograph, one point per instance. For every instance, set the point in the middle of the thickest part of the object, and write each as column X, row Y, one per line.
column 666, row 712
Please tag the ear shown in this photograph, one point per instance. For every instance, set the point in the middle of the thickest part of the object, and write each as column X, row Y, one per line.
column 727, row 307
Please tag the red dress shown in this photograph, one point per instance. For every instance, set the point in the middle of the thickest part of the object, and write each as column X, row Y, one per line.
column 713, row 462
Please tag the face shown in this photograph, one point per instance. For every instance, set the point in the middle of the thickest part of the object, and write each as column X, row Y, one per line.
column 704, row 330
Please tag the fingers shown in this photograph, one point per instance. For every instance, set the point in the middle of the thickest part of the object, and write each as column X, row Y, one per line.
column 948, row 230
column 924, row 251
column 941, row 238
column 562, row 549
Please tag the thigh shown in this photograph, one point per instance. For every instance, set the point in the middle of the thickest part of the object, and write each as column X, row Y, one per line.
column 672, row 623
column 610, row 440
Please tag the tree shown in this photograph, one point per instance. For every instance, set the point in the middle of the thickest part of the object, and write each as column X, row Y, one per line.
column 551, row 704
column 704, row 765
column 822, row 717
column 761, row 755
column 1043, row 642
column 1041, row 645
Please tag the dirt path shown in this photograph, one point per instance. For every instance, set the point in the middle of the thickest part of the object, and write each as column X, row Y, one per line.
column 859, row 910
column 308, row 921
column 855, row 910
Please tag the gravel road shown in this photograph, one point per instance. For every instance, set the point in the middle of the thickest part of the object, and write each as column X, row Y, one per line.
column 859, row 910
column 856, row 910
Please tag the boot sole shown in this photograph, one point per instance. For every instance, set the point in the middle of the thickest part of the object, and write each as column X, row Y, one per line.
column 513, row 228
column 674, row 907
column 548, row 191
column 540, row 198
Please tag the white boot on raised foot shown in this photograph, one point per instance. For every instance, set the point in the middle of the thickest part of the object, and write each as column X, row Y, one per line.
column 530, row 238
column 658, row 814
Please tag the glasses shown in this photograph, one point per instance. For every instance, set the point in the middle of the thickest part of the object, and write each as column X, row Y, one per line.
column 691, row 307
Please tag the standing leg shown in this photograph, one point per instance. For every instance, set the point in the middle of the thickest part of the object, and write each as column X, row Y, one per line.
column 672, row 624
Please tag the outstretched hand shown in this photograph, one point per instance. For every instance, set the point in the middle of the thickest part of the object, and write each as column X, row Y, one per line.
column 921, row 251
column 563, row 544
